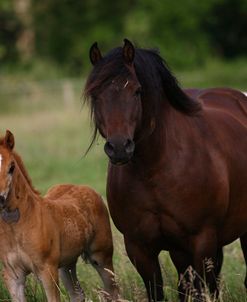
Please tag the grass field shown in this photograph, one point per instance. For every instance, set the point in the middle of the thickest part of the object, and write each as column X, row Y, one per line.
column 52, row 132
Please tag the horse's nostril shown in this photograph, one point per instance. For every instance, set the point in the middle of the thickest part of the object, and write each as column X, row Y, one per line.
column 120, row 151
column 109, row 148
column 129, row 146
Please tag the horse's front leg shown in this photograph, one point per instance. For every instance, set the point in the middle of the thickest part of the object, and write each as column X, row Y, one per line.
column 186, row 285
column 182, row 261
column 207, row 261
column 147, row 264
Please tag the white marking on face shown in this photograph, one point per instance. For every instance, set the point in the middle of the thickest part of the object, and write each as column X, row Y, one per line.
column 1, row 158
column 125, row 85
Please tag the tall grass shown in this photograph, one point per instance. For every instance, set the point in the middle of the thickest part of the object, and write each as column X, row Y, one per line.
column 52, row 132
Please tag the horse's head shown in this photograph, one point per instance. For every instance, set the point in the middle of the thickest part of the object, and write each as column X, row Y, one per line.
column 7, row 167
column 132, row 94
column 116, row 97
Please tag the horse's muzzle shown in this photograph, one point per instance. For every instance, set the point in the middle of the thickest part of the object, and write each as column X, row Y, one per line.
column 119, row 151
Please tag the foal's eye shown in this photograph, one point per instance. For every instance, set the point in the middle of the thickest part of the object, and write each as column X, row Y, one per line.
column 12, row 168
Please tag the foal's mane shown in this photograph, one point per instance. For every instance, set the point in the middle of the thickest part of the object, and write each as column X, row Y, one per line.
column 21, row 166
column 158, row 84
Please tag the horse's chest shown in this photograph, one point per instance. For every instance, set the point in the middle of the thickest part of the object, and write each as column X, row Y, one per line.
column 143, row 211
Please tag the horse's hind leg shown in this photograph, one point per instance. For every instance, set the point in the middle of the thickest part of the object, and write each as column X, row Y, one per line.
column 71, row 283
column 243, row 240
column 15, row 284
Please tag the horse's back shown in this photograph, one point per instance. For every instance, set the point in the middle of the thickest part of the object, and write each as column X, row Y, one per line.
column 227, row 100
column 225, row 116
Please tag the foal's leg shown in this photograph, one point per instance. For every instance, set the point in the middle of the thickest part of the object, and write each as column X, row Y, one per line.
column 147, row 264
column 71, row 283
column 243, row 240
column 15, row 283
column 100, row 254
column 101, row 260
column 49, row 278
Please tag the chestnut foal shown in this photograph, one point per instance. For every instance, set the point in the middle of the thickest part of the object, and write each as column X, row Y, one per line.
column 45, row 235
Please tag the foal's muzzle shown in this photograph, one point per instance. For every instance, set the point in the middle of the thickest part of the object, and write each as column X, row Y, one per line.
column 120, row 151
column 2, row 202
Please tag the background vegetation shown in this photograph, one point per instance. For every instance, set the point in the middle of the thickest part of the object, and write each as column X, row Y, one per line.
column 52, row 131
column 188, row 32
column 43, row 63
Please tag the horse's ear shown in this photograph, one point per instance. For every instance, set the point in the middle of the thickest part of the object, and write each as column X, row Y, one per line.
column 95, row 54
column 9, row 140
column 128, row 52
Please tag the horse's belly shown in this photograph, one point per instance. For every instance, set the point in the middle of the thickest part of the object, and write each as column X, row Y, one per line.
column 235, row 224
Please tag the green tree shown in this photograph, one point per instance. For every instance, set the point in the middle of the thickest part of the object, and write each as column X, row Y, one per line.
column 10, row 27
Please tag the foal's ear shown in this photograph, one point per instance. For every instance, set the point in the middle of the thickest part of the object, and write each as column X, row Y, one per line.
column 9, row 140
column 95, row 54
column 128, row 52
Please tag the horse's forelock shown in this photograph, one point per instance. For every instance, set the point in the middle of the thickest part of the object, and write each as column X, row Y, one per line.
column 110, row 68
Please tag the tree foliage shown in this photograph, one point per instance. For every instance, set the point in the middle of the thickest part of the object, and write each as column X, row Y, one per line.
column 10, row 27
column 186, row 31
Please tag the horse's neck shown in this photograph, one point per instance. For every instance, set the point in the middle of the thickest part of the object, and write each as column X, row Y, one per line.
column 172, row 130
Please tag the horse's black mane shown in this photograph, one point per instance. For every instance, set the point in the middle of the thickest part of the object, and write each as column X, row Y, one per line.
column 153, row 74
column 157, row 81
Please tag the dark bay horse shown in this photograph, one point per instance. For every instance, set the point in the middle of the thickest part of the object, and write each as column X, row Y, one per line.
column 177, row 177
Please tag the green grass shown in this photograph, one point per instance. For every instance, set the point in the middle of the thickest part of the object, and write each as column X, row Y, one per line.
column 52, row 133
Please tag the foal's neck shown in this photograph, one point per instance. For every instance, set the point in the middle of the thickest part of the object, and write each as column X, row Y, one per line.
column 21, row 195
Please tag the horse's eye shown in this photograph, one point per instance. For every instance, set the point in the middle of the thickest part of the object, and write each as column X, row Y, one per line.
column 94, row 98
column 12, row 168
column 138, row 92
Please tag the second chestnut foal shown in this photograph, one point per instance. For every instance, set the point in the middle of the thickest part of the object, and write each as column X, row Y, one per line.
column 45, row 235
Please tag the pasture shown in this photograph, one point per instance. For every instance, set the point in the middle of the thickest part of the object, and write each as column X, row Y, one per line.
column 52, row 131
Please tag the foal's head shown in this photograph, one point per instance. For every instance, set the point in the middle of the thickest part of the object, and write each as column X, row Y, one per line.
column 7, row 166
